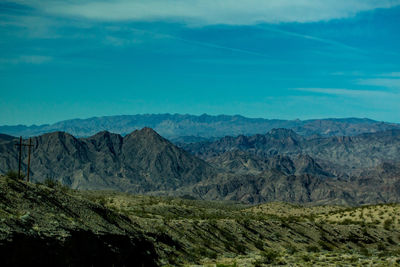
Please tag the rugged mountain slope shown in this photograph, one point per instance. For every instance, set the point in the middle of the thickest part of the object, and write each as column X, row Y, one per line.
column 6, row 138
column 361, row 151
column 139, row 162
column 279, row 165
column 282, row 165
column 189, row 128
column 244, row 162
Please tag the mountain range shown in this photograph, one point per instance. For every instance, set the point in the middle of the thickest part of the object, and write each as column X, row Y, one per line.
column 138, row 162
column 190, row 128
column 279, row 165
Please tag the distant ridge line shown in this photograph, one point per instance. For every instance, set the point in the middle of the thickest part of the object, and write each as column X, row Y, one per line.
column 181, row 127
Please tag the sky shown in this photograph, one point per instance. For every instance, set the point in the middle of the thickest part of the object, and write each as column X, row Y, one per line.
column 283, row 59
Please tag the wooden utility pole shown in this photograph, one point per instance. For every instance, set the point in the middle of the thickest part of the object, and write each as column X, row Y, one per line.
column 29, row 158
column 20, row 156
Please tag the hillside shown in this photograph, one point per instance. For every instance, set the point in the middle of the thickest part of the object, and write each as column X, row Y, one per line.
column 53, row 225
column 141, row 161
column 190, row 128
column 43, row 226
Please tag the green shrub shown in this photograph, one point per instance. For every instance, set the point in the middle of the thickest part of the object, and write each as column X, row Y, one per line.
column 268, row 257
column 259, row 245
column 387, row 224
column 347, row 221
column 50, row 183
column 226, row 265
column 365, row 252
column 306, row 258
column 325, row 245
column 290, row 249
column 381, row 247
column 14, row 175
column 312, row 248
column 55, row 185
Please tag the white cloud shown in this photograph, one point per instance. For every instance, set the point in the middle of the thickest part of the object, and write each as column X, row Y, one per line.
column 208, row 12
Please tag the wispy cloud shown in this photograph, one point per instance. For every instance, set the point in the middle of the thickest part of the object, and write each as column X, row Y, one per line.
column 393, row 83
column 390, row 74
column 311, row 38
column 26, row 59
column 158, row 35
column 209, row 12
column 348, row 92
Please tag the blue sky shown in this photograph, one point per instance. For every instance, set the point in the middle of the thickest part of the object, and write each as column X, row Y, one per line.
column 272, row 59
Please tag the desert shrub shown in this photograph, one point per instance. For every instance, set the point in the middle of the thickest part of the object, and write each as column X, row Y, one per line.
column 50, row 183
column 387, row 224
column 226, row 265
column 259, row 245
column 325, row 246
column 365, row 252
column 277, row 235
column 102, row 201
column 56, row 185
column 14, row 175
column 268, row 257
column 312, row 248
column 390, row 241
column 381, row 247
column 290, row 249
column 306, row 258
column 347, row 221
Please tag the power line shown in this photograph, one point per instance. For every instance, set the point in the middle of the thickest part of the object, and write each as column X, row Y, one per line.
column 20, row 145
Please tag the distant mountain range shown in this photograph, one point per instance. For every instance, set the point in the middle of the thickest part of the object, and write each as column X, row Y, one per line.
column 277, row 166
column 189, row 128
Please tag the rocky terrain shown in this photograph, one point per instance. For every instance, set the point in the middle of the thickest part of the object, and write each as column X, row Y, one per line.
column 44, row 226
column 282, row 165
column 190, row 128
column 277, row 166
column 349, row 152
column 141, row 161
column 51, row 225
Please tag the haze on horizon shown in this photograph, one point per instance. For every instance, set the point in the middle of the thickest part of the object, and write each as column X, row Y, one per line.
column 271, row 59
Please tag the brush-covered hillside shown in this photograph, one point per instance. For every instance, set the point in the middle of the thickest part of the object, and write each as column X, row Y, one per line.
column 50, row 224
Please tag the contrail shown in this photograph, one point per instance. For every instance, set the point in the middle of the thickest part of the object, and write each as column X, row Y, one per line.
column 310, row 37
column 204, row 44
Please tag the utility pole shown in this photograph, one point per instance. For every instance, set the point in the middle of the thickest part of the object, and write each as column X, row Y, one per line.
column 20, row 156
column 29, row 158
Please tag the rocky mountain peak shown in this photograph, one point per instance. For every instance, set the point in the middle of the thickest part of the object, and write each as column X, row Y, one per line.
column 145, row 133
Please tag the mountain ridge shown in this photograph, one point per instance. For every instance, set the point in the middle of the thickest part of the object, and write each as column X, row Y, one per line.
column 138, row 162
column 187, row 128
column 279, row 165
